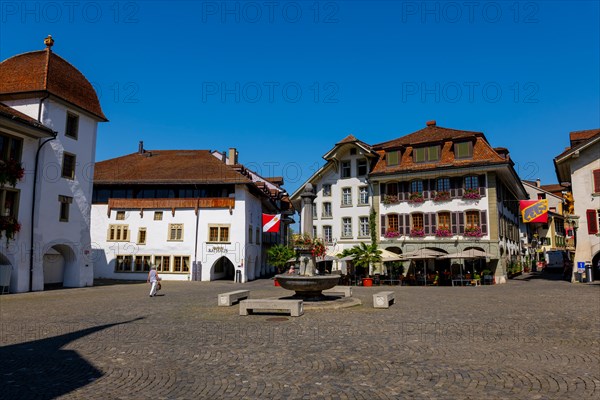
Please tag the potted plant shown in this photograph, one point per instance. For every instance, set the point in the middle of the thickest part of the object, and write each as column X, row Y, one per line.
column 10, row 226
column 391, row 234
column 419, row 233
column 471, row 194
column 365, row 255
column 278, row 256
column 443, row 232
column 473, row 231
column 11, row 171
column 390, row 199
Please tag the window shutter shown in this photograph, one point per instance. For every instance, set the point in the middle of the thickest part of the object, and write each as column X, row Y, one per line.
column 461, row 222
column 483, row 222
column 482, row 186
column 592, row 222
column 406, row 224
column 426, row 189
column 401, row 224
column 454, row 222
column 382, row 225
column 382, row 189
column 597, row 181
column 432, row 222
column 426, row 223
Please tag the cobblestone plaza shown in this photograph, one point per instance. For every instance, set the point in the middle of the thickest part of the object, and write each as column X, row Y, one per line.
column 531, row 338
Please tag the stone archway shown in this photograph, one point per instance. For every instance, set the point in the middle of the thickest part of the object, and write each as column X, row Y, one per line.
column 60, row 267
column 596, row 267
column 222, row 268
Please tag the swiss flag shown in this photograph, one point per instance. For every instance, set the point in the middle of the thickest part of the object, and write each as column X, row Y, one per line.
column 271, row 222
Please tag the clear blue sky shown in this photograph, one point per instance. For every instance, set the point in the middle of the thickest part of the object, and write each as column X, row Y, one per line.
column 283, row 81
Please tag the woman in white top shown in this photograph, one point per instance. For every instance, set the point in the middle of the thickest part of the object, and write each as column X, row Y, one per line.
column 153, row 279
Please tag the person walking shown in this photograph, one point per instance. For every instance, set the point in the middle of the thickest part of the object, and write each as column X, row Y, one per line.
column 154, row 281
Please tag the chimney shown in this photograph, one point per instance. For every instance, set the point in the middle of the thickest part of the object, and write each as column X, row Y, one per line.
column 233, row 156
column 538, row 183
column 431, row 123
column 141, row 147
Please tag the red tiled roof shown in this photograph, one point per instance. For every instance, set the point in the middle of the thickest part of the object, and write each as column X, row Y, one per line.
column 11, row 113
column 167, row 166
column 43, row 71
column 554, row 188
column 577, row 137
column 483, row 153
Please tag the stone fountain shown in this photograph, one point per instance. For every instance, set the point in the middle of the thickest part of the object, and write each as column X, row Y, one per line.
column 307, row 285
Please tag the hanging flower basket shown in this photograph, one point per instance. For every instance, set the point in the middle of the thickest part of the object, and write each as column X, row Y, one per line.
column 442, row 196
column 416, row 197
column 473, row 232
column 392, row 234
column 443, row 232
column 9, row 226
column 11, row 172
column 390, row 199
column 417, row 233
column 316, row 246
column 471, row 194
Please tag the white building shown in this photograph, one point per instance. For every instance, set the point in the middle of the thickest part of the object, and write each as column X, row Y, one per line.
column 53, row 199
column 194, row 214
column 579, row 165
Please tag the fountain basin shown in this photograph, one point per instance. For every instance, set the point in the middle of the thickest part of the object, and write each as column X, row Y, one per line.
column 307, row 287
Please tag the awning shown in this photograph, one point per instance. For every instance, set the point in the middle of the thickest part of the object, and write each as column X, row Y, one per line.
column 422, row 254
column 471, row 253
column 387, row 255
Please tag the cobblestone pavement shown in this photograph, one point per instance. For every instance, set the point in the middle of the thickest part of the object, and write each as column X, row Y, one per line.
column 528, row 339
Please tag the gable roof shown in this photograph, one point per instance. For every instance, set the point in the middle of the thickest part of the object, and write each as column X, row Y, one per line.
column 431, row 133
column 167, row 167
column 17, row 116
column 39, row 72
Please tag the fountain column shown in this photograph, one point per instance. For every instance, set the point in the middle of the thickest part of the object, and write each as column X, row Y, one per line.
column 307, row 261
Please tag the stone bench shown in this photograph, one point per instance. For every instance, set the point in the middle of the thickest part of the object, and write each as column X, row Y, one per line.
column 227, row 299
column 383, row 299
column 294, row 307
column 345, row 290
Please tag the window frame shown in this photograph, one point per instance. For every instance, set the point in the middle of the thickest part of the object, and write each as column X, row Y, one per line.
column 140, row 230
column 326, row 214
column 181, row 258
column 419, row 183
column 175, row 227
column 364, row 227
column 392, row 158
column 158, row 215
column 326, row 239
column 118, row 230
column 327, row 193
column 359, row 166
column 14, row 211
column 346, row 196
column 159, row 266
column 457, row 150
column 446, row 186
column 145, row 261
column 219, row 228
column 74, row 136
column 470, row 178
column 65, row 206
column 472, row 213
column 71, row 175
column 9, row 153
column 440, row 224
column 417, row 221
column 120, row 216
column 347, row 231
column 427, row 152
column 345, row 169
column 360, row 195
column 120, row 260
column 392, row 222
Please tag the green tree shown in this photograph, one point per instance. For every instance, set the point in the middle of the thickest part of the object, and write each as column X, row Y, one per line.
column 373, row 225
column 365, row 255
column 279, row 255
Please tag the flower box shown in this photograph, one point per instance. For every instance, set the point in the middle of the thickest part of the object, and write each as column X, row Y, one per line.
column 471, row 194
column 316, row 246
column 442, row 196
column 416, row 197
column 473, row 232
column 443, row 232
column 11, row 172
column 390, row 199
column 392, row 234
column 417, row 233
column 9, row 226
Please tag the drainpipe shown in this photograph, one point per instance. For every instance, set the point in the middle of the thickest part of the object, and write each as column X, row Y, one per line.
column 195, row 265
column 35, row 174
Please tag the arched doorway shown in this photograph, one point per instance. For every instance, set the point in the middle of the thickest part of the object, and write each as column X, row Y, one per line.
column 223, row 268
column 60, row 267
column 596, row 267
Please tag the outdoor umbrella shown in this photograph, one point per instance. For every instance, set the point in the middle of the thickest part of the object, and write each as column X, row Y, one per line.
column 422, row 254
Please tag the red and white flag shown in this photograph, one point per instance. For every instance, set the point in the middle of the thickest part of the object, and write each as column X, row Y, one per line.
column 271, row 222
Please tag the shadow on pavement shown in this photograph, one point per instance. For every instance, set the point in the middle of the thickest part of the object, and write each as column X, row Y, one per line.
column 41, row 369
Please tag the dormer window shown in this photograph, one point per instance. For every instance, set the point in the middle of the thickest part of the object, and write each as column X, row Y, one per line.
column 463, row 150
column 353, row 151
column 361, row 167
column 393, row 158
column 346, row 169
column 426, row 154
column 72, row 127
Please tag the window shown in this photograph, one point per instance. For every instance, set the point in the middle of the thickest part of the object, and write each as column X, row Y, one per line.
column 141, row 264
column 326, row 190
column 346, row 169
column 559, row 226
column 327, row 210
column 162, row 263
column 123, row 263
column 158, row 215
column 592, row 221
column 416, row 186
column 363, row 195
column 9, row 201
column 393, row 158
column 417, row 221
column 250, row 232
column 314, row 211
column 118, row 233
column 442, row 184
column 364, row 227
column 361, row 167
column 314, row 231
column 391, row 189
column 472, row 182
column 541, row 196
column 10, row 148
column 218, row 233
column 426, row 154
column 346, row 196
column 141, row 236
column 65, row 203
column 72, row 126
column 181, row 263
column 68, row 166
column 257, row 236
column 327, row 234
column 463, row 150
column 472, row 219
column 120, row 215
column 444, row 220
column 175, row 232
column 392, row 223
column 596, row 176
column 353, row 151
column 347, row 227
